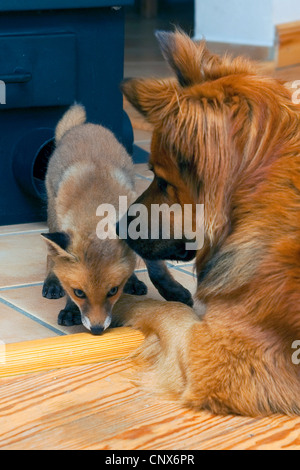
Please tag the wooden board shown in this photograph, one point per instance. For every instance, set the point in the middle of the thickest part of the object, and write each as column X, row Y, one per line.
column 288, row 44
column 66, row 351
column 99, row 407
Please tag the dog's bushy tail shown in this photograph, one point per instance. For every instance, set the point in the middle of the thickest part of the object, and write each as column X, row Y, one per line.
column 75, row 116
column 209, row 365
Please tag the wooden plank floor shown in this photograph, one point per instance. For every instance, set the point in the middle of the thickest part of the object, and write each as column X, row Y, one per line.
column 98, row 407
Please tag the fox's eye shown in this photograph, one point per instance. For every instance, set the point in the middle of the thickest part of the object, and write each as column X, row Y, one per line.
column 79, row 293
column 113, row 291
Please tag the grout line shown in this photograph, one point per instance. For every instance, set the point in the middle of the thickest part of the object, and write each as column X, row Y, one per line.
column 143, row 177
column 21, row 286
column 148, row 141
column 25, row 232
column 170, row 266
column 179, row 268
column 182, row 265
column 32, row 317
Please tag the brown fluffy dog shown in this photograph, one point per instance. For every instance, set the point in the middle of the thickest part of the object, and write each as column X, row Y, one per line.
column 230, row 139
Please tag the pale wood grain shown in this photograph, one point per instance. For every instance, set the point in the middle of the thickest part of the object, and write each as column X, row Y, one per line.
column 99, row 407
column 66, row 351
column 288, row 44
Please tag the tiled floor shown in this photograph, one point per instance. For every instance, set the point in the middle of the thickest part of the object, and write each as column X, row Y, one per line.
column 24, row 313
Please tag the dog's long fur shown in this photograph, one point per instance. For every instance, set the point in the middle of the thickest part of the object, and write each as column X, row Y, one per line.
column 230, row 139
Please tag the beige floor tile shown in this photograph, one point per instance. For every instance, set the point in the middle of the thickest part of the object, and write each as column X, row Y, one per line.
column 190, row 268
column 145, row 145
column 141, row 135
column 141, row 167
column 181, row 267
column 16, row 327
column 185, row 279
column 140, row 263
column 141, row 185
column 22, row 259
column 33, row 227
column 143, row 170
column 31, row 300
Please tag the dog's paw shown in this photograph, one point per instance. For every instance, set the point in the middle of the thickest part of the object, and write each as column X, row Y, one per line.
column 69, row 316
column 179, row 294
column 135, row 287
column 52, row 289
column 187, row 299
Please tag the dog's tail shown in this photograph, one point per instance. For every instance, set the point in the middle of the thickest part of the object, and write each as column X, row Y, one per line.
column 207, row 365
column 75, row 116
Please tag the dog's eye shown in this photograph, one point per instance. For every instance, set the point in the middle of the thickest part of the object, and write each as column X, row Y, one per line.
column 113, row 291
column 162, row 184
column 79, row 293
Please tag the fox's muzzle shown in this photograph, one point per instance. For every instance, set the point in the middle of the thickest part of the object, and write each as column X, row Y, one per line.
column 96, row 328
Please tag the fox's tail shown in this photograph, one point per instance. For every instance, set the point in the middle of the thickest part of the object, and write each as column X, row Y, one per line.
column 75, row 116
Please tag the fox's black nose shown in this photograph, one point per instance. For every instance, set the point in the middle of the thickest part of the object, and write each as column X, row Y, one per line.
column 97, row 330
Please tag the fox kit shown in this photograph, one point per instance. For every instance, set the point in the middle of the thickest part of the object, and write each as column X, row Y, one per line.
column 90, row 167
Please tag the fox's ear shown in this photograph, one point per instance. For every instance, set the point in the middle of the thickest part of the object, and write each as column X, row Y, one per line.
column 57, row 243
column 153, row 98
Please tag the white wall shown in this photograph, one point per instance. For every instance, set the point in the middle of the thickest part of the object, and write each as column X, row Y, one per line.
column 285, row 11
column 243, row 21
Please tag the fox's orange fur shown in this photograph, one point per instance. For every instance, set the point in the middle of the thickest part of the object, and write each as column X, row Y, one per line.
column 89, row 167
column 230, row 139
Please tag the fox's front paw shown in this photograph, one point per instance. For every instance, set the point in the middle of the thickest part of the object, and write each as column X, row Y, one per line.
column 52, row 288
column 69, row 316
column 135, row 287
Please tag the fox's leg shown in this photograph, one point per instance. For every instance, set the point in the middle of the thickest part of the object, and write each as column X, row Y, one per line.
column 70, row 315
column 166, row 285
column 134, row 286
column 52, row 288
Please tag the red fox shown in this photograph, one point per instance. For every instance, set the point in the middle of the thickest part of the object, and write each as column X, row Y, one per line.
column 90, row 167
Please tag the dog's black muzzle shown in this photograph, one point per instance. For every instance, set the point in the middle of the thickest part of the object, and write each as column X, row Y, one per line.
column 157, row 249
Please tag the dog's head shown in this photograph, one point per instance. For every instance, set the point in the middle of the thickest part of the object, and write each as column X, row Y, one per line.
column 215, row 130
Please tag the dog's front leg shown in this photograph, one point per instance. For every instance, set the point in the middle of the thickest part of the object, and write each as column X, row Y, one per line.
column 166, row 285
column 134, row 286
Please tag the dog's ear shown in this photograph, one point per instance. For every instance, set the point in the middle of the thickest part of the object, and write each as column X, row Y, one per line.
column 188, row 59
column 153, row 98
column 57, row 244
column 193, row 63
